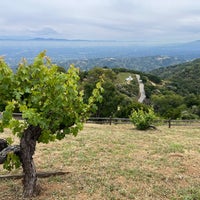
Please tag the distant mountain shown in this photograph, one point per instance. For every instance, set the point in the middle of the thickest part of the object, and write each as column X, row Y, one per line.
column 27, row 38
column 193, row 44
column 183, row 78
column 58, row 39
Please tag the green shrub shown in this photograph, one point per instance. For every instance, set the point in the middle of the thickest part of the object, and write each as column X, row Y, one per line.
column 143, row 119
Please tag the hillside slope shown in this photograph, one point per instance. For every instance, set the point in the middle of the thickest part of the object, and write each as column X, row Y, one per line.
column 184, row 78
column 121, row 89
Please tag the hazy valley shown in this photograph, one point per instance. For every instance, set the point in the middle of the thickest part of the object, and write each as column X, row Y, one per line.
column 87, row 54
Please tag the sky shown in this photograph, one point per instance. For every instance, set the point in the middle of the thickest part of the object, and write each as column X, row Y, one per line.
column 125, row 20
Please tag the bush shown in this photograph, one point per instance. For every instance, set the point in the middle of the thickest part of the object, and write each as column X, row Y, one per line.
column 143, row 119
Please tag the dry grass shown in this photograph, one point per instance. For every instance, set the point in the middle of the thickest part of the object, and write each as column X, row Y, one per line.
column 118, row 162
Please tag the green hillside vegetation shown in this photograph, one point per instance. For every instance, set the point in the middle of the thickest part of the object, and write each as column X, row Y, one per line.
column 183, row 79
column 166, row 96
column 119, row 96
column 181, row 88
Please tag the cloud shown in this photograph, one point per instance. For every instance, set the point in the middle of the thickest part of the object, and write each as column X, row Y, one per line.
column 46, row 31
column 102, row 19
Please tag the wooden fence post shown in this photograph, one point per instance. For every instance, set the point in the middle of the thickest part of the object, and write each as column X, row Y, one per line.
column 110, row 120
column 169, row 123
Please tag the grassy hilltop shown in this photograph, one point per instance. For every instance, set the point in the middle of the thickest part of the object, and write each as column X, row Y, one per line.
column 118, row 162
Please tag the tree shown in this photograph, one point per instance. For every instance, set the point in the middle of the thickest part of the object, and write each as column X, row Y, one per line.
column 127, row 106
column 169, row 105
column 51, row 105
column 143, row 119
column 111, row 97
column 5, row 83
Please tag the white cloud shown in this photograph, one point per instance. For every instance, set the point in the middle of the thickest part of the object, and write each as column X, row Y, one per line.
column 46, row 31
column 103, row 19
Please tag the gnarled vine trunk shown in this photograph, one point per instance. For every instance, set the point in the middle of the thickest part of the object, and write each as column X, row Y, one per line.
column 27, row 149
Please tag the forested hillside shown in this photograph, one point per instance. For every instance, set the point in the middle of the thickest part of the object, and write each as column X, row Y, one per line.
column 120, row 95
column 174, row 96
column 183, row 79
column 180, row 94
column 121, row 89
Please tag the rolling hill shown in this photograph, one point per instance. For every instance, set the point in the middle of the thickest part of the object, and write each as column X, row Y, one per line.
column 183, row 79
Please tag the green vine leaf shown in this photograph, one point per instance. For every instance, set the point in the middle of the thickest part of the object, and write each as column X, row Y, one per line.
column 12, row 162
column 47, row 99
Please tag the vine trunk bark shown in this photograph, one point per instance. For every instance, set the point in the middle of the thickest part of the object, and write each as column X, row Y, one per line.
column 27, row 150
